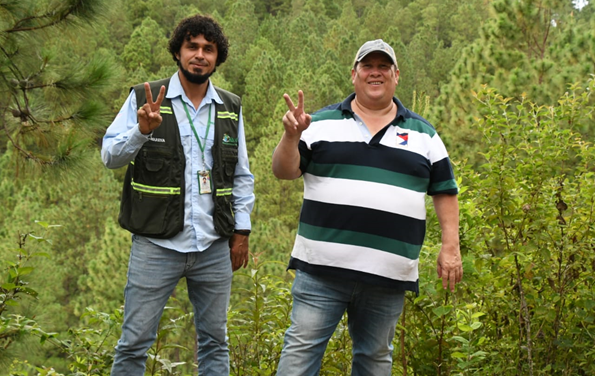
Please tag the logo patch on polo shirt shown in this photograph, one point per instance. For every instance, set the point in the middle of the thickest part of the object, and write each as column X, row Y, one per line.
column 402, row 138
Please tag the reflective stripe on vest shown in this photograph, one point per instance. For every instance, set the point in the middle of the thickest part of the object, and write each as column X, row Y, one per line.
column 163, row 110
column 224, row 192
column 227, row 115
column 156, row 190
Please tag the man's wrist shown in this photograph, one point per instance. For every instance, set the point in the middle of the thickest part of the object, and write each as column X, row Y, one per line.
column 140, row 129
column 242, row 232
column 292, row 140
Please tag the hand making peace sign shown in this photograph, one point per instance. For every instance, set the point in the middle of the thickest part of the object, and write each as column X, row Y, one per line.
column 149, row 116
column 296, row 120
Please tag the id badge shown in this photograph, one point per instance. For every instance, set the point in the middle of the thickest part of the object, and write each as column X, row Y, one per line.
column 204, row 182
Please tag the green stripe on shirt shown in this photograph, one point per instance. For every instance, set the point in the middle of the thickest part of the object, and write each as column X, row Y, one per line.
column 359, row 239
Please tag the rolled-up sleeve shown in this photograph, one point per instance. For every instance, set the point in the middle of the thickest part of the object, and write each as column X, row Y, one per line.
column 243, row 186
column 123, row 138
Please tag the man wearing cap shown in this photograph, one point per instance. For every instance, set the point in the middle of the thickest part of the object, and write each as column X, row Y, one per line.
column 367, row 163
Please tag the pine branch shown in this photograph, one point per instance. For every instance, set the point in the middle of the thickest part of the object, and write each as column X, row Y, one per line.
column 26, row 154
column 12, row 66
column 84, row 9
column 18, row 28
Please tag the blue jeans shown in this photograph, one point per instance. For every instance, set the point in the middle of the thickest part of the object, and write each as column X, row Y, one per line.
column 153, row 273
column 318, row 306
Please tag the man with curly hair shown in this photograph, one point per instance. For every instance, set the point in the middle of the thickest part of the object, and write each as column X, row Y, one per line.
column 187, row 197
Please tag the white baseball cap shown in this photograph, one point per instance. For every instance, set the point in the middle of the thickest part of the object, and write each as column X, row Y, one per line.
column 377, row 45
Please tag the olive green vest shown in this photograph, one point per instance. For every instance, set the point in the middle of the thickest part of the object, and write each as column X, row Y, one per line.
column 152, row 202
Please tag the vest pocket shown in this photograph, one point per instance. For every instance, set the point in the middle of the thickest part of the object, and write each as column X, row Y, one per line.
column 224, row 223
column 154, row 165
column 155, row 171
column 229, row 157
column 152, row 213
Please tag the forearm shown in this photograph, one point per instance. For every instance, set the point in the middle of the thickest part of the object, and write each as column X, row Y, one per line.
column 118, row 150
column 286, row 158
column 123, row 139
column 447, row 211
column 449, row 262
column 243, row 201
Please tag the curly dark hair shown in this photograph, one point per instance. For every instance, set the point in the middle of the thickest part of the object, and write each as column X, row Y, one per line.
column 192, row 26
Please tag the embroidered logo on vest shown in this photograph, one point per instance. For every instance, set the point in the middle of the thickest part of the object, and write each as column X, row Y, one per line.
column 227, row 140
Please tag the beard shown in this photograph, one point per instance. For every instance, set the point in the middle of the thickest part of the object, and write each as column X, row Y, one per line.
column 195, row 78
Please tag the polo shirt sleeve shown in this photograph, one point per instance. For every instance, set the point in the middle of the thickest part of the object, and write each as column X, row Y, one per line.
column 305, row 156
column 442, row 178
column 305, row 147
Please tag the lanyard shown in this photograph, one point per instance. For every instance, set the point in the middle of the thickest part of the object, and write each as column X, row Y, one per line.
column 202, row 147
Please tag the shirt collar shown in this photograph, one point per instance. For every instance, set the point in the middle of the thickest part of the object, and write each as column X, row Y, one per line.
column 176, row 90
column 401, row 110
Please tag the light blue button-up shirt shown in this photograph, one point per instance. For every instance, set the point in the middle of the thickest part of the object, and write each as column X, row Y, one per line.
column 123, row 140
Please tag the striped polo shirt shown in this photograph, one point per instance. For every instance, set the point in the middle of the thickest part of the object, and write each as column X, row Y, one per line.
column 364, row 216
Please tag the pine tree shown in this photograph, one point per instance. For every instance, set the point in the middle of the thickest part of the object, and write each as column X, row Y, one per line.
column 49, row 111
column 147, row 48
column 103, row 285
column 241, row 28
column 265, row 83
column 535, row 48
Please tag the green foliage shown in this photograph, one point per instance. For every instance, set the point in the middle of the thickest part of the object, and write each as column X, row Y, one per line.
column 265, row 84
column 103, row 283
column 241, row 28
column 81, row 203
column 523, row 162
column 147, row 48
column 528, row 48
column 257, row 323
column 531, row 237
column 49, row 110
column 88, row 347
column 14, row 287
column 467, row 356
